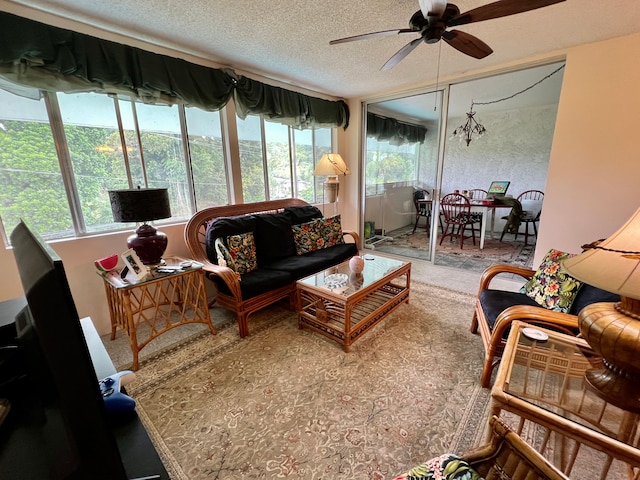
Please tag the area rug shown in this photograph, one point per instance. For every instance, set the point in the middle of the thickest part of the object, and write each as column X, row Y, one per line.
column 289, row 403
column 416, row 245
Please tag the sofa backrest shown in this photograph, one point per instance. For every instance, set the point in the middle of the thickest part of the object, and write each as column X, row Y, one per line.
column 589, row 294
column 272, row 231
column 196, row 228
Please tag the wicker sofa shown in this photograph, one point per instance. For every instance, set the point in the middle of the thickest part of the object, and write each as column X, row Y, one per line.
column 278, row 264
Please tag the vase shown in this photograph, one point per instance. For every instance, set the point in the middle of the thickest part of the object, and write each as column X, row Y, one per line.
column 356, row 264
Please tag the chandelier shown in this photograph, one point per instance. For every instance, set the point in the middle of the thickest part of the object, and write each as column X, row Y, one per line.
column 472, row 127
column 465, row 132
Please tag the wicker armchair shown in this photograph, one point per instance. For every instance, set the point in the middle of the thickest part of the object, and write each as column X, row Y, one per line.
column 495, row 310
column 508, row 456
column 505, row 457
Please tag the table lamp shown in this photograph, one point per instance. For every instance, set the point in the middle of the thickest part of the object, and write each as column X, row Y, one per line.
column 613, row 329
column 143, row 205
column 331, row 165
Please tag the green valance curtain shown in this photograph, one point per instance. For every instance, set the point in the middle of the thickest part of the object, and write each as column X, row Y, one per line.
column 253, row 97
column 394, row 131
column 55, row 59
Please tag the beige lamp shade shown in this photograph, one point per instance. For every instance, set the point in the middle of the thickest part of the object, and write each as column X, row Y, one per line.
column 607, row 266
column 331, row 164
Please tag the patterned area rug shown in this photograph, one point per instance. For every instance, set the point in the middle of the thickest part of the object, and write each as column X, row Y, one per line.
column 416, row 245
column 289, row 403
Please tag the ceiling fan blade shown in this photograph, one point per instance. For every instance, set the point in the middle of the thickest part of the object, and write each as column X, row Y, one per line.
column 467, row 43
column 400, row 54
column 364, row 36
column 501, row 8
column 432, row 8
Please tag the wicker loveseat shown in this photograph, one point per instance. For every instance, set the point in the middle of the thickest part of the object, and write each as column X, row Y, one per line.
column 496, row 309
column 278, row 263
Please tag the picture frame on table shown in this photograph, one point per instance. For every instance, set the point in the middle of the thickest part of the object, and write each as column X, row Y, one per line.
column 138, row 271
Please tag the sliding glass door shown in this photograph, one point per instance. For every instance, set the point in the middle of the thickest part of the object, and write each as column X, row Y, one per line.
column 401, row 174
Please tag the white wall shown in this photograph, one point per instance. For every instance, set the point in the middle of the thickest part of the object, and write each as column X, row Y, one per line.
column 516, row 148
column 594, row 172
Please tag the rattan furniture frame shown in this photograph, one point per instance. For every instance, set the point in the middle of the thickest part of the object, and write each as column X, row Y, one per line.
column 543, row 382
column 507, row 456
column 345, row 315
column 493, row 340
column 158, row 304
column 195, row 238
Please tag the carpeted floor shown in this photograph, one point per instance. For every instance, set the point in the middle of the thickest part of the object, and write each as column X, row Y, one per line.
column 416, row 245
column 288, row 403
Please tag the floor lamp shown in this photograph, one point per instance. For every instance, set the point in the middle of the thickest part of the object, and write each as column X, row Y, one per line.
column 331, row 165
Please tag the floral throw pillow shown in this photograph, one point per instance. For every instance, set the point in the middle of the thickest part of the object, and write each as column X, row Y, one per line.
column 242, row 249
column 308, row 236
column 444, row 467
column 551, row 286
column 332, row 231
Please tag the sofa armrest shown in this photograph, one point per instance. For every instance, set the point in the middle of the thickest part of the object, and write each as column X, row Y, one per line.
column 227, row 275
column 354, row 235
column 491, row 272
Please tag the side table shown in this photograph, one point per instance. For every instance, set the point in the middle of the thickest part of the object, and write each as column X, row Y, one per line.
column 542, row 382
column 157, row 304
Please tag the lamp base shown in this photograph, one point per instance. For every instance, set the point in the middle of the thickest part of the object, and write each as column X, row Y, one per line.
column 618, row 389
column 148, row 243
column 331, row 188
column 612, row 330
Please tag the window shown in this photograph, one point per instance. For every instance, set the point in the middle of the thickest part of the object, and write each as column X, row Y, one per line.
column 251, row 159
column 388, row 163
column 60, row 155
column 31, row 185
column 280, row 160
column 206, row 149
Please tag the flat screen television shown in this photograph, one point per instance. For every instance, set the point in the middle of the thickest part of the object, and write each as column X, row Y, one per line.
column 75, row 440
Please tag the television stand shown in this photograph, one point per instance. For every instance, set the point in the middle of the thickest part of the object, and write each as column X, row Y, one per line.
column 19, row 443
column 139, row 456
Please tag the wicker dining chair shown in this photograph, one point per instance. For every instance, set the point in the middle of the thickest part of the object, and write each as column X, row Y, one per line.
column 506, row 457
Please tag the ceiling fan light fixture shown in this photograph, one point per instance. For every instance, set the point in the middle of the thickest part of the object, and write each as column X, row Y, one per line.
column 436, row 16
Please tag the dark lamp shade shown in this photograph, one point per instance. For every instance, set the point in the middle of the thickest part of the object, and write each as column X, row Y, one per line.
column 139, row 205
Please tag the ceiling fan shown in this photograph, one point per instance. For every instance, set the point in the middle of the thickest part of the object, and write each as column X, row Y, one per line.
column 436, row 16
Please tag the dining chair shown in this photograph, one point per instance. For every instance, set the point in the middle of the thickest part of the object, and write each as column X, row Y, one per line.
column 477, row 194
column 456, row 210
column 423, row 209
column 531, row 201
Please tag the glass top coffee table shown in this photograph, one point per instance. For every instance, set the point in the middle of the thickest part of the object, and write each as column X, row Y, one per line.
column 344, row 306
column 541, row 380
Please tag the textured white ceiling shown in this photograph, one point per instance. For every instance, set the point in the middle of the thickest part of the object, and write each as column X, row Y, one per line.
column 288, row 40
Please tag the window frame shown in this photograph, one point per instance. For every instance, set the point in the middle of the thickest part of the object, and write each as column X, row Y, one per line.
column 229, row 144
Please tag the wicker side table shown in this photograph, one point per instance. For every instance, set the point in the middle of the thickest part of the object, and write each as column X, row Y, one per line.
column 156, row 305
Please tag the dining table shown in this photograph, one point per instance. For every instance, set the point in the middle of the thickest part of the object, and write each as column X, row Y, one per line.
column 486, row 207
